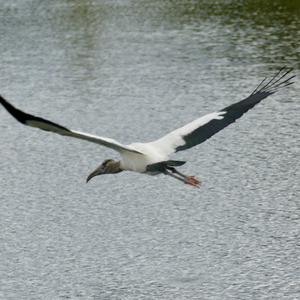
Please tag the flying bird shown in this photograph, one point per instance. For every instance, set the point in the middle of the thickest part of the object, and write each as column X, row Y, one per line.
column 153, row 158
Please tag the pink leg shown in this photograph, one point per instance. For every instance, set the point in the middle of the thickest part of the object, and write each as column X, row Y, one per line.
column 192, row 180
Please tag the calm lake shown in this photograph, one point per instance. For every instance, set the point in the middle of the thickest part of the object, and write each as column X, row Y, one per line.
column 135, row 70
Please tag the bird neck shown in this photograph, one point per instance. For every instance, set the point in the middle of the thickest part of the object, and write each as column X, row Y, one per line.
column 115, row 167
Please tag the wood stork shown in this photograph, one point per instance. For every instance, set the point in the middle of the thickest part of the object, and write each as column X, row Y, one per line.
column 153, row 158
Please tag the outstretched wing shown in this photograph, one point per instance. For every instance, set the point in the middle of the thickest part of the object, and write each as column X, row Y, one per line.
column 44, row 124
column 203, row 128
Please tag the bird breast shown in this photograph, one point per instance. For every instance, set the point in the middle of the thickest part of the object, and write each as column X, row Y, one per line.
column 138, row 162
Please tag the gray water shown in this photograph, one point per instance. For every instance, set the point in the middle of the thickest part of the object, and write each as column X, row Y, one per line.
column 134, row 70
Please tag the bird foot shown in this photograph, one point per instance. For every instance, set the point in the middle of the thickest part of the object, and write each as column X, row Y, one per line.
column 193, row 181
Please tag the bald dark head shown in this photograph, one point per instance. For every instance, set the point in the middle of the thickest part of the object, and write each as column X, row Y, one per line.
column 109, row 166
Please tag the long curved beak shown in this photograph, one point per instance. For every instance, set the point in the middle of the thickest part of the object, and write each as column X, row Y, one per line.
column 99, row 171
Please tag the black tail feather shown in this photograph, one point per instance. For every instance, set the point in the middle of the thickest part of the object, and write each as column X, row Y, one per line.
column 163, row 165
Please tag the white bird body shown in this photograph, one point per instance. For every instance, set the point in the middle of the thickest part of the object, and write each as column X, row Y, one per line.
column 161, row 149
column 153, row 157
column 136, row 162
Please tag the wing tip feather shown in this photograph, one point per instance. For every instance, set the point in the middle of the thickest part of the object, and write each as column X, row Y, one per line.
column 275, row 83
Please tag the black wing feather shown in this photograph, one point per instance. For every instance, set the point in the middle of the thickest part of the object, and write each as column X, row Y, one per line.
column 24, row 118
column 236, row 110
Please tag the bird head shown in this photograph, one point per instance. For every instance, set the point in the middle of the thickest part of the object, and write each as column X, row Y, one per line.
column 109, row 166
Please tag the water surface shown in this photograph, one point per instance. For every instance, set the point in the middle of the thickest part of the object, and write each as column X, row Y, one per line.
column 134, row 70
